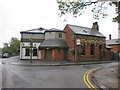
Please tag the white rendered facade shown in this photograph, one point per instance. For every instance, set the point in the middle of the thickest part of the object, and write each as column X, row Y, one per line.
column 30, row 41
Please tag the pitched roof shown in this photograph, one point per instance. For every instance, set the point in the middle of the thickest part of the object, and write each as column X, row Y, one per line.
column 41, row 31
column 34, row 31
column 51, row 43
column 54, row 30
column 85, row 31
column 113, row 42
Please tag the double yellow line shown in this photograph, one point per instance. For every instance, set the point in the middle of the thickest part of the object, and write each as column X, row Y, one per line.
column 87, row 81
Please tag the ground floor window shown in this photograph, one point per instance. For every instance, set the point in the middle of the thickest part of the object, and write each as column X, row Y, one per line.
column 27, row 52
column 58, row 51
column 92, row 49
column 82, row 49
column 34, row 52
column 100, row 48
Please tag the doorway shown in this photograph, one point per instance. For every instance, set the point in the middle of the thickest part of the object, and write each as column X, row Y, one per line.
column 48, row 54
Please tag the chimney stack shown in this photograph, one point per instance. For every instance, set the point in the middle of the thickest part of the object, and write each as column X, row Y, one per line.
column 110, row 37
column 95, row 26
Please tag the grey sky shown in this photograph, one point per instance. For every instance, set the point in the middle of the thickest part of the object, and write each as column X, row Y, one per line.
column 20, row 15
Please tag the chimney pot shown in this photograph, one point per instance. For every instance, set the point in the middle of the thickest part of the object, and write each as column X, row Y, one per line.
column 110, row 37
column 95, row 26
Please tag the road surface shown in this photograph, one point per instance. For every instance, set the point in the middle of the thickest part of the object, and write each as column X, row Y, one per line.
column 15, row 76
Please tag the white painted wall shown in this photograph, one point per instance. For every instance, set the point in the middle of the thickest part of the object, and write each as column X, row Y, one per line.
column 22, row 50
column 54, row 35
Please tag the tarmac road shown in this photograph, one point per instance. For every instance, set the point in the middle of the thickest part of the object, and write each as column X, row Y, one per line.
column 15, row 76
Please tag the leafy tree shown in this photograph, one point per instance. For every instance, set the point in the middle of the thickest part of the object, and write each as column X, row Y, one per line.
column 77, row 7
column 15, row 45
column 6, row 48
column 12, row 48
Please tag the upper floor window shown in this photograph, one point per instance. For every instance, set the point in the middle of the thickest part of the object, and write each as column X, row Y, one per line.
column 60, row 35
column 92, row 49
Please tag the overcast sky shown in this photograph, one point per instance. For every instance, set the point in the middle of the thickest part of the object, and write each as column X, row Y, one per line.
column 20, row 15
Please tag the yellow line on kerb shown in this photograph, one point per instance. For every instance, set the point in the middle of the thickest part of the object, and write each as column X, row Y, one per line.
column 87, row 81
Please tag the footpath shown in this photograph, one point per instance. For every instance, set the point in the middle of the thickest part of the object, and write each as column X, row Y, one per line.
column 104, row 78
column 16, row 61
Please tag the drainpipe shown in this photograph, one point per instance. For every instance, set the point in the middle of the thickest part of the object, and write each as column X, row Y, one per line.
column 74, row 48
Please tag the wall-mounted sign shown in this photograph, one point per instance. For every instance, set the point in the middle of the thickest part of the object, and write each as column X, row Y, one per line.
column 78, row 42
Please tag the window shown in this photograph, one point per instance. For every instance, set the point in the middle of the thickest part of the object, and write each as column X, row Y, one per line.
column 34, row 52
column 27, row 52
column 60, row 35
column 100, row 48
column 92, row 49
column 82, row 49
column 58, row 51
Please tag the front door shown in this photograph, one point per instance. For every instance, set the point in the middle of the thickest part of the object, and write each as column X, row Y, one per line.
column 48, row 54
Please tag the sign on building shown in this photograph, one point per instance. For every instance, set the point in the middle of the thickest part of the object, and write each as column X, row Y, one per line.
column 78, row 42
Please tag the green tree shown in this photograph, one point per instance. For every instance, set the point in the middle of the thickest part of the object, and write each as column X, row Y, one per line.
column 13, row 47
column 77, row 7
column 6, row 48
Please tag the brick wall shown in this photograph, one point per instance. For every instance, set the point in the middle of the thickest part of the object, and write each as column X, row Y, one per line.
column 87, row 40
column 70, row 42
column 108, row 55
column 43, row 54
column 57, row 54
column 88, row 55
column 115, row 48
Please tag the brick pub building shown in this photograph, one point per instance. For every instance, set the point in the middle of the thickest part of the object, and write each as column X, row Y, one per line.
column 86, row 43
column 74, row 43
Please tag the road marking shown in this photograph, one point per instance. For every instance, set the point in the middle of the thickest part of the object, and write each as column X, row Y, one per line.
column 87, row 81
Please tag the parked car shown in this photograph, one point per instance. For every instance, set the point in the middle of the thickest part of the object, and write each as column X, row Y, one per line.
column 6, row 55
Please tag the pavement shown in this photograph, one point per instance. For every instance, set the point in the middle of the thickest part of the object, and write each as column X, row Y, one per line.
column 103, row 78
column 107, row 78
column 16, row 61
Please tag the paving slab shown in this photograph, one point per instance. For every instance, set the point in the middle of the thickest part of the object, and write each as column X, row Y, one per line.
column 106, row 78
